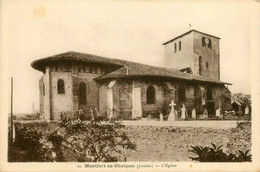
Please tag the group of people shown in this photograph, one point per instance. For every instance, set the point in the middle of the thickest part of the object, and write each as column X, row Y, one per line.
column 93, row 113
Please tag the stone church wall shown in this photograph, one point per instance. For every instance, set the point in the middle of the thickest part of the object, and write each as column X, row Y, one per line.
column 116, row 99
column 190, row 98
column 54, row 104
column 155, row 108
column 41, row 97
column 122, row 92
column 46, row 97
column 191, row 50
column 96, row 94
column 125, row 98
column 159, row 97
column 61, row 103
column 183, row 56
column 91, row 91
column 103, row 99
column 209, row 55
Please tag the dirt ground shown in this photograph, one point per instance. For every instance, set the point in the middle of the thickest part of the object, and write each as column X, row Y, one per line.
column 171, row 143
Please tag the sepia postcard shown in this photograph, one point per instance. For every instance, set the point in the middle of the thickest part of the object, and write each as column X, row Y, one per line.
column 130, row 85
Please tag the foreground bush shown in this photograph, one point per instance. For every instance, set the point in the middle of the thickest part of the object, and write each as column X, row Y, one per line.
column 216, row 154
column 95, row 140
column 86, row 141
column 28, row 146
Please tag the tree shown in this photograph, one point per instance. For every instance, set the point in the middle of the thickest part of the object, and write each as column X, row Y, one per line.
column 243, row 99
column 94, row 140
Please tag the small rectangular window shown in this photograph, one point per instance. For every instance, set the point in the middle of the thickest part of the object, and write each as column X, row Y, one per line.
column 175, row 47
column 200, row 65
column 207, row 65
column 179, row 45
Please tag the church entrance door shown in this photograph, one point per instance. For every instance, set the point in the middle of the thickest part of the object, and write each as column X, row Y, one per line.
column 136, row 101
column 211, row 109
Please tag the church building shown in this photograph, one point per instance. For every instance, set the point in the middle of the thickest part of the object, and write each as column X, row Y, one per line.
column 191, row 77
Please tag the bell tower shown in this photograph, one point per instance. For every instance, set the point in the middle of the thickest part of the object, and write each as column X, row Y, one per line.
column 194, row 52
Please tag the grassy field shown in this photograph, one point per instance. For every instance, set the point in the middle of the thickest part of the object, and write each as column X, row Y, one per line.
column 172, row 143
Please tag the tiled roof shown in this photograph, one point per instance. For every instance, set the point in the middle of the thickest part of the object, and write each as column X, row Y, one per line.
column 236, row 102
column 140, row 70
column 126, row 68
column 73, row 56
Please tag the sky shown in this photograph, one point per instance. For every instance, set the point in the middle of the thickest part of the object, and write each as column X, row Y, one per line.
column 130, row 30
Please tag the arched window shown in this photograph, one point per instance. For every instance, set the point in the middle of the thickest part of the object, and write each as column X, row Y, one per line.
column 209, row 44
column 82, row 93
column 181, row 94
column 175, row 47
column 43, row 89
column 203, row 42
column 60, row 86
column 150, row 95
column 200, row 65
column 206, row 42
column 179, row 45
column 209, row 94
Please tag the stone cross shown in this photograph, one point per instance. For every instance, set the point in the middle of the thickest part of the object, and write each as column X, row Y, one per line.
column 183, row 112
column 172, row 113
column 172, row 106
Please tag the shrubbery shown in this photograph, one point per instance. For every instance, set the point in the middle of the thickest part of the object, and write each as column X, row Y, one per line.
column 28, row 146
column 88, row 141
column 216, row 154
column 96, row 140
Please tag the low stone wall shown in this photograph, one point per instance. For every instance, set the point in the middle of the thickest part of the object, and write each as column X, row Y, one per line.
column 40, row 126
